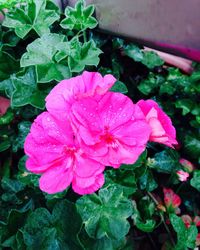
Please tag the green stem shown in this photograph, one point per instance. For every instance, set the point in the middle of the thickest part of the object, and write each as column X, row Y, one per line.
column 84, row 36
column 162, row 219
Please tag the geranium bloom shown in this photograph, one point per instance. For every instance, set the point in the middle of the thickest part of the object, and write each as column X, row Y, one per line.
column 187, row 165
column 63, row 95
column 182, row 176
column 161, row 125
column 4, row 105
column 172, row 200
column 111, row 129
column 54, row 153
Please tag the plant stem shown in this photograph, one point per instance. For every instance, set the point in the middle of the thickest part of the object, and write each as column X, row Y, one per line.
column 84, row 36
column 162, row 219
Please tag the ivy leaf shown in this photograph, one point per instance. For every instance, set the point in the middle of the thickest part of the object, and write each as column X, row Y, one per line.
column 166, row 161
column 148, row 85
column 41, row 53
column 26, row 91
column 149, row 58
column 146, row 181
column 79, row 18
column 119, row 87
column 105, row 214
column 8, row 65
column 126, row 179
column 192, row 146
column 144, row 225
column 185, row 104
column 23, row 130
column 134, row 52
column 58, row 230
column 195, row 181
column 82, row 55
column 185, row 237
column 35, row 16
column 24, row 176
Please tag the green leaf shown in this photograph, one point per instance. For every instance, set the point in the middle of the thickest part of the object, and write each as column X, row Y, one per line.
column 192, row 146
column 146, row 181
column 14, row 222
column 105, row 214
column 195, row 181
column 40, row 53
column 151, row 59
column 145, row 225
column 4, row 145
column 8, row 66
column 148, row 58
column 12, row 186
column 26, row 177
column 26, row 90
column 7, row 117
column 134, row 52
column 35, row 16
column 185, row 237
column 79, row 18
column 126, row 179
column 119, row 87
column 185, row 104
column 148, row 85
column 82, row 55
column 166, row 161
column 58, row 230
column 23, row 130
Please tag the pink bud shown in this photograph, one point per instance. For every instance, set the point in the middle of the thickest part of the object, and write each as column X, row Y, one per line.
column 4, row 105
column 182, row 176
column 187, row 165
column 171, row 199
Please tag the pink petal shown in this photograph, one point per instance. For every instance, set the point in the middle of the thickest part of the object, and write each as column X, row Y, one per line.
column 4, row 105
column 55, row 180
column 86, row 167
column 87, row 185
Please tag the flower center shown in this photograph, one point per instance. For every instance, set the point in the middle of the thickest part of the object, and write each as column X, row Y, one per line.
column 69, row 151
column 109, row 139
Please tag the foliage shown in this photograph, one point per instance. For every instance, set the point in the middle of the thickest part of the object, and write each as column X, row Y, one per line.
column 39, row 46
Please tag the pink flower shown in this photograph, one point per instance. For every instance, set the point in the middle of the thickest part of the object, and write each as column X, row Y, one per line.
column 111, row 129
column 182, row 176
column 172, row 200
column 161, row 125
column 54, row 153
column 4, row 105
column 63, row 95
column 187, row 165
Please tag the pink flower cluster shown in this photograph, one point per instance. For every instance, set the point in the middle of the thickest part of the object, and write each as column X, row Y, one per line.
column 86, row 128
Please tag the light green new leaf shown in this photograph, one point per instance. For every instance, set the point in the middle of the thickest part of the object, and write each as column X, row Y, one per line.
column 41, row 53
column 106, row 214
column 82, row 55
column 26, row 91
column 79, row 18
column 35, row 16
